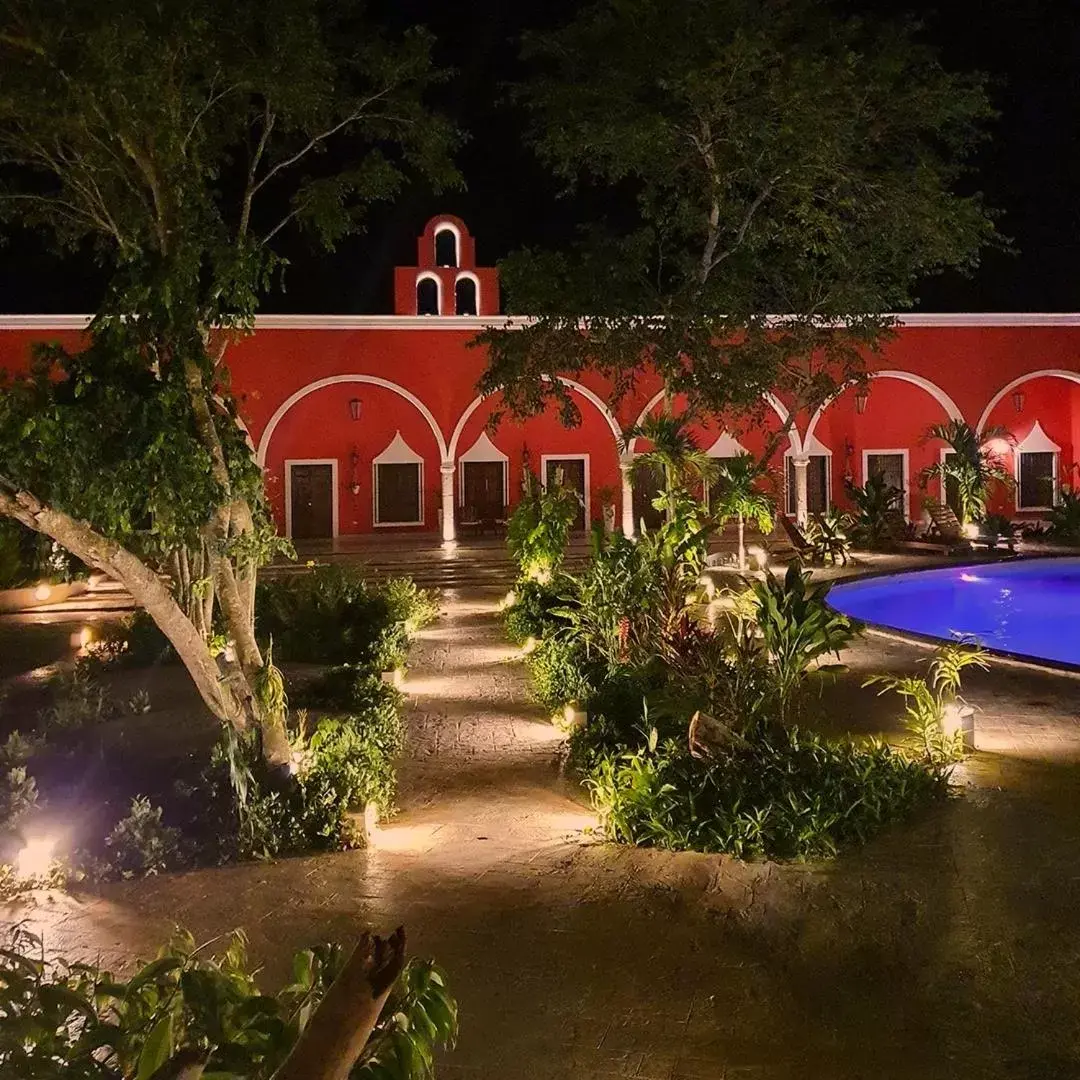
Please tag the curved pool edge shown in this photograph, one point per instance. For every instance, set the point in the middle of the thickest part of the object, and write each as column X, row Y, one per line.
column 931, row 641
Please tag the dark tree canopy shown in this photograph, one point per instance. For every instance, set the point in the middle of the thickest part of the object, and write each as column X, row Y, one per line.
column 772, row 158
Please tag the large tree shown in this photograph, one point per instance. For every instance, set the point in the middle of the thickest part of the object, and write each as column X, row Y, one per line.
column 181, row 139
column 774, row 178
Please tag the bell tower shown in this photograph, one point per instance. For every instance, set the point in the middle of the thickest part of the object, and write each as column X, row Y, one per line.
column 446, row 280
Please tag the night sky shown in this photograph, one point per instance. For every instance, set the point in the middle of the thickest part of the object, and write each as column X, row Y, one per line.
column 1030, row 170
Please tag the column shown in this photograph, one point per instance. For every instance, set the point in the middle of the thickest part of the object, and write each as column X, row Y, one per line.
column 801, row 498
column 447, row 471
column 625, row 465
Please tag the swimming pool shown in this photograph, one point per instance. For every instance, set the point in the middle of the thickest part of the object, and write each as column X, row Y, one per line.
column 1030, row 608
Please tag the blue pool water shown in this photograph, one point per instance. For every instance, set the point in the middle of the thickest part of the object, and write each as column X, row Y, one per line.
column 1030, row 608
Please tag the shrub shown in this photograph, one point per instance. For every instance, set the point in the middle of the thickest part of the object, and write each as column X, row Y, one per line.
column 829, row 537
column 80, row 1021
column 332, row 615
column 135, row 640
column 876, row 505
column 539, row 529
column 783, row 794
column 78, row 699
column 343, row 688
column 1064, row 517
column 140, row 844
column 558, row 672
column 530, row 615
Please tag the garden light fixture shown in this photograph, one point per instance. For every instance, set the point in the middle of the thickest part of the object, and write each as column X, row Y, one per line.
column 35, row 859
column 354, row 408
column 42, row 592
column 529, row 645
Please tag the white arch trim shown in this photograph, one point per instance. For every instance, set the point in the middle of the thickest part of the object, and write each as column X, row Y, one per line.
column 446, row 226
column 770, row 399
column 335, row 380
column 1052, row 373
column 584, row 391
column 429, row 275
column 467, row 275
column 931, row 388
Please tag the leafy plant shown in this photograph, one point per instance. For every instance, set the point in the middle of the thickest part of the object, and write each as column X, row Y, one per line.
column 970, row 467
column 558, row 672
column 877, row 503
column 997, row 527
column 79, row 699
column 673, row 454
column 140, row 844
column 139, row 702
column 539, row 528
column 926, row 700
column 738, row 497
column 782, row 794
column 1064, row 516
column 80, row 1021
column 530, row 615
column 828, row 535
column 797, row 627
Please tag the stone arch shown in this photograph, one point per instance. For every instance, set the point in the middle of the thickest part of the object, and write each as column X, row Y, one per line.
column 333, row 380
column 932, row 388
column 1009, row 387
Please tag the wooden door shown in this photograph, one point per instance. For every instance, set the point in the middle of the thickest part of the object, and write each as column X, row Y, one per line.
column 573, row 476
column 312, row 501
column 483, row 490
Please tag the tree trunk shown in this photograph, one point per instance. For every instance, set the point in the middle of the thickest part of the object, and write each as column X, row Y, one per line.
column 742, row 546
column 338, row 1032
column 230, row 699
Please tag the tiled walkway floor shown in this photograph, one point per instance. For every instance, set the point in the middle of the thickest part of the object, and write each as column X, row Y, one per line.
column 947, row 949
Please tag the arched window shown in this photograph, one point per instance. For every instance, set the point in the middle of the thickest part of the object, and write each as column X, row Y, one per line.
column 465, row 296
column 446, row 253
column 427, row 296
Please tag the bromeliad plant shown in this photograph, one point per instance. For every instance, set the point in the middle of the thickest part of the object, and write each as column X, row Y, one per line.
column 928, row 700
column 828, row 535
column 188, row 1014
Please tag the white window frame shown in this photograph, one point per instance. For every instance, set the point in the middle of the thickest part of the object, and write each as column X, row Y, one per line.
column 446, row 226
column 587, row 493
column 397, row 452
column 333, row 463
column 906, row 455
column 468, row 275
column 815, row 452
column 483, row 450
column 428, row 275
column 1037, row 442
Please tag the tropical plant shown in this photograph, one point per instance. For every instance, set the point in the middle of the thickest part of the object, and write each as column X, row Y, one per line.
column 737, row 496
column 673, row 454
column 797, row 627
column 539, row 528
column 1064, row 516
column 997, row 527
column 828, row 535
column 877, row 503
column 970, row 467
column 927, row 699
column 188, row 1014
column 140, row 844
column 530, row 615
column 781, row 794
column 79, row 699
column 183, row 147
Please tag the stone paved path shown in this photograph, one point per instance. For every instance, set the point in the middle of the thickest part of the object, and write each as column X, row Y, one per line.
column 948, row 948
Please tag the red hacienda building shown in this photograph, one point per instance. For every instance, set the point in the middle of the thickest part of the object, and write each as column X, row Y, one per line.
column 369, row 424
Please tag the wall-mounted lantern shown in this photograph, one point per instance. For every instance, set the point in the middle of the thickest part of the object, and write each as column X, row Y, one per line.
column 354, row 408
column 1018, row 400
column 862, row 396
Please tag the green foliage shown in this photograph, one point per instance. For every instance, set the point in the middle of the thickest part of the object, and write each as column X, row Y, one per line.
column 79, row 699
column 134, row 640
column 783, row 794
column 926, row 700
column 790, row 158
column 828, row 535
column 531, row 614
column 141, row 844
column 797, row 627
column 995, row 528
column 674, row 453
column 334, row 615
column 558, row 672
column 971, row 468
column 539, row 529
column 1064, row 516
column 877, row 503
column 78, row 1020
column 738, row 496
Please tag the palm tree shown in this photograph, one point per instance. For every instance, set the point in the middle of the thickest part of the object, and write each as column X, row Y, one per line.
column 739, row 498
column 971, row 466
column 674, row 453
